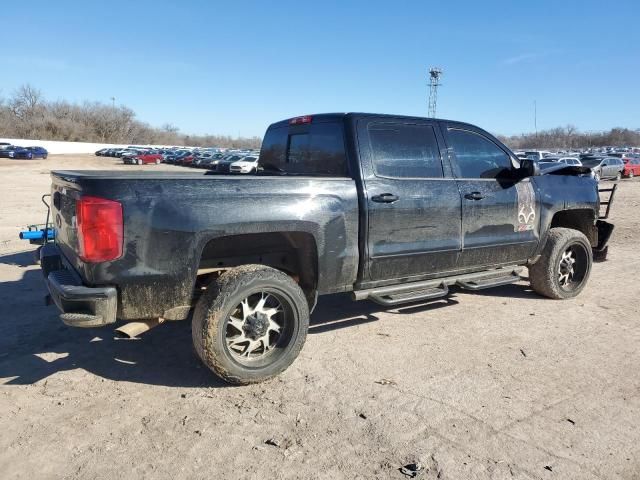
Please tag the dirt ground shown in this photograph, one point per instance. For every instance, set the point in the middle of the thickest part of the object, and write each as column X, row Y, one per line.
column 498, row 384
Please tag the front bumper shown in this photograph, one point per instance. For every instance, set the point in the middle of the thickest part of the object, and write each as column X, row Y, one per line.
column 81, row 306
column 605, row 229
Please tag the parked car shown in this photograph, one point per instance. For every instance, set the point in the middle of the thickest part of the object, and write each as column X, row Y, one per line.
column 571, row 161
column 223, row 165
column 28, row 153
column 176, row 156
column 202, row 158
column 8, row 151
column 206, row 162
column 604, row 167
column 144, row 158
column 248, row 164
column 537, row 154
column 567, row 160
column 376, row 222
column 186, row 160
column 631, row 167
column 102, row 152
column 38, row 152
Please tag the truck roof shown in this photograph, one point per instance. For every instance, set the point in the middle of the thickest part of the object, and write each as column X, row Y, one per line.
column 338, row 116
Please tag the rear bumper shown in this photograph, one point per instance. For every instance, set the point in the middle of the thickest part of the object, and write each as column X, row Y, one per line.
column 81, row 306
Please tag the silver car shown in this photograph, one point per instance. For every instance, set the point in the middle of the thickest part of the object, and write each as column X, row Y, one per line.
column 604, row 167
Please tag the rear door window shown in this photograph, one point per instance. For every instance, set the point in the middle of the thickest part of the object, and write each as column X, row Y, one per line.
column 404, row 150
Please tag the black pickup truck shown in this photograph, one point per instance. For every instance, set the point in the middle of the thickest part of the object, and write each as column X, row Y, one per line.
column 394, row 209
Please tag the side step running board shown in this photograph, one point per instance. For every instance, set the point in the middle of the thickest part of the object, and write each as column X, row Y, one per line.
column 390, row 299
column 489, row 282
column 428, row 289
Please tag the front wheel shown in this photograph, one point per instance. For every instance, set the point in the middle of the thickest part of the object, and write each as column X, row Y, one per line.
column 250, row 324
column 139, row 161
column 157, row 161
column 631, row 174
column 619, row 176
column 564, row 266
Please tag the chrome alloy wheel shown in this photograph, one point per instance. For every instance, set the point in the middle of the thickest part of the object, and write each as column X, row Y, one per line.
column 566, row 271
column 572, row 267
column 255, row 327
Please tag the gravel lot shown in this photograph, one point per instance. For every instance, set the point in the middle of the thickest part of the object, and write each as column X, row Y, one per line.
column 499, row 384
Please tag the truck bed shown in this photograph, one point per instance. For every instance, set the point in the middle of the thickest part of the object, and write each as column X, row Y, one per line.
column 170, row 218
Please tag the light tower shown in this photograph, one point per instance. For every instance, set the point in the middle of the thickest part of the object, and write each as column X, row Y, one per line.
column 434, row 82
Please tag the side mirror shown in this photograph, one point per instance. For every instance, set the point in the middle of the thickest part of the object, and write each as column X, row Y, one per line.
column 529, row 168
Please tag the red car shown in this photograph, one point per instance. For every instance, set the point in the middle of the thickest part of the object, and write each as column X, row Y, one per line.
column 147, row 157
column 187, row 160
column 631, row 166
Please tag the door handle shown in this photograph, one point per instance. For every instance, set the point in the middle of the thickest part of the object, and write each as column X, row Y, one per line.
column 474, row 196
column 385, row 198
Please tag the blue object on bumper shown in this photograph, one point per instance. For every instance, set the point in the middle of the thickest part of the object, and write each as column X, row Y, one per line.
column 37, row 234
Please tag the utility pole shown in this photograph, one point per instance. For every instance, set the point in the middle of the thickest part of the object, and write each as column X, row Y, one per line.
column 535, row 117
column 113, row 102
column 434, row 82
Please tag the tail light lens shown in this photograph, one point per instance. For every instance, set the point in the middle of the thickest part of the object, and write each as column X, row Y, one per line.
column 100, row 229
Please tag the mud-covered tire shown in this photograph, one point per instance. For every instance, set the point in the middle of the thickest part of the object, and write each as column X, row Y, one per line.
column 210, row 325
column 545, row 274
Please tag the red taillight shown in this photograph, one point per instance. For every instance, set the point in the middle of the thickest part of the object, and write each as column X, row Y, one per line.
column 100, row 229
column 301, row 120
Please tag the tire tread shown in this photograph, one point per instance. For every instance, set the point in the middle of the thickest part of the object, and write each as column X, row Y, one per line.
column 210, row 308
column 542, row 274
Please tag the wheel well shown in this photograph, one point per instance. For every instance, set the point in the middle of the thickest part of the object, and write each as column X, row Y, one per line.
column 295, row 253
column 582, row 220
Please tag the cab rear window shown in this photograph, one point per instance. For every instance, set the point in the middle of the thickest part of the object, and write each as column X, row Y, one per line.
column 314, row 149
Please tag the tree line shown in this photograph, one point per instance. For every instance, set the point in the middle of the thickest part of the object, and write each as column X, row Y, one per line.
column 569, row 137
column 27, row 114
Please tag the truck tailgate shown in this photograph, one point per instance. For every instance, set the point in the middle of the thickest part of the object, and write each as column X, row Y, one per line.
column 64, row 195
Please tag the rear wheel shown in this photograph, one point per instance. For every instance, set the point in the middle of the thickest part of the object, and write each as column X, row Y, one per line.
column 619, row 176
column 139, row 161
column 564, row 267
column 250, row 324
column 631, row 174
column 157, row 161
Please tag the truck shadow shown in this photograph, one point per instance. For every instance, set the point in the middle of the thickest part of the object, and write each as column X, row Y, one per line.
column 35, row 344
column 514, row 290
column 338, row 311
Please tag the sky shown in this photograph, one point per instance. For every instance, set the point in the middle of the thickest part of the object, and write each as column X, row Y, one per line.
column 234, row 67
